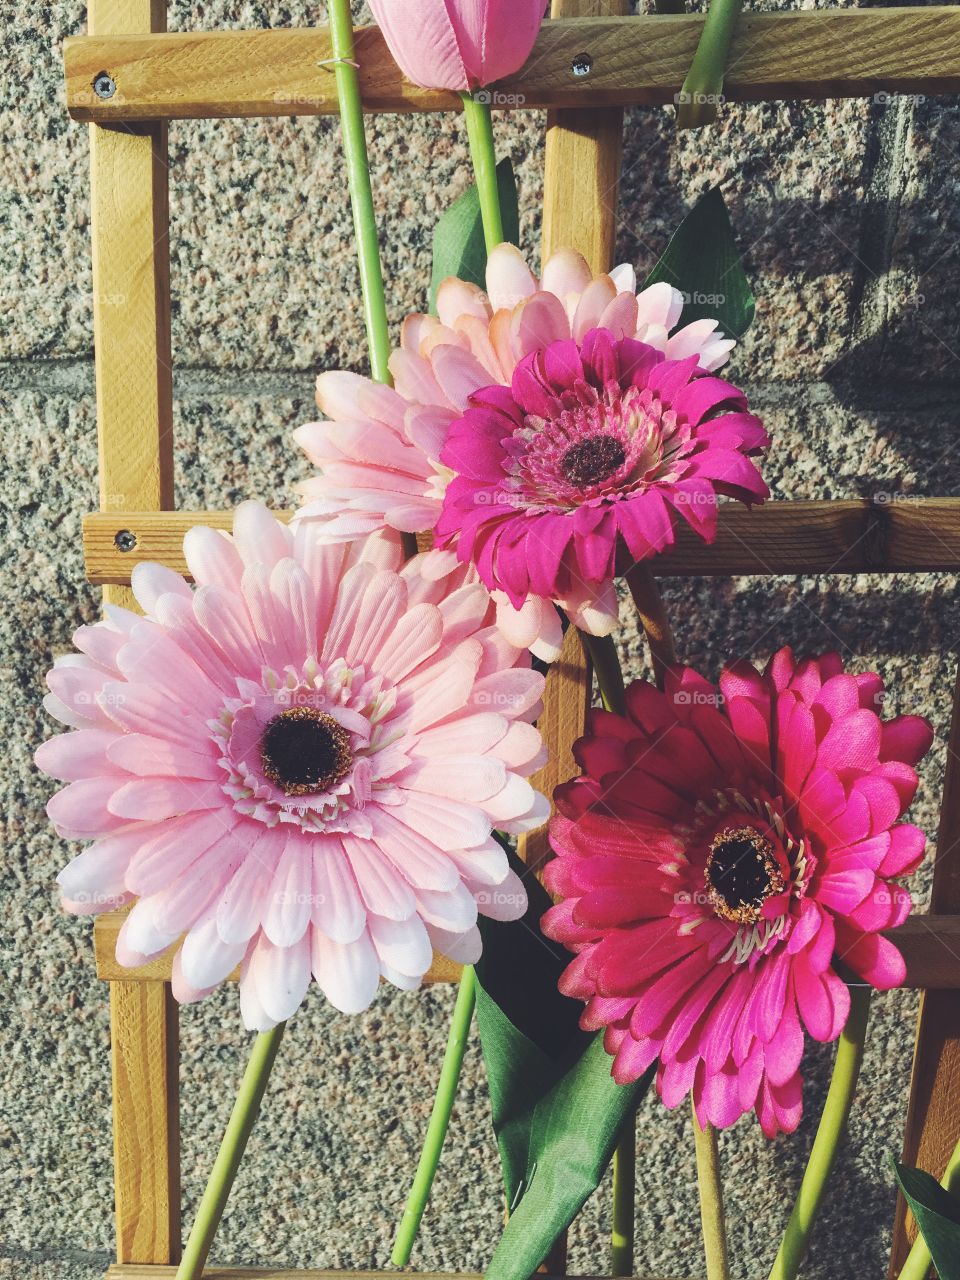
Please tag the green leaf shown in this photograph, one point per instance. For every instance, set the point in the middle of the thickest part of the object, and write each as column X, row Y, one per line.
column 557, row 1112
column 702, row 261
column 938, row 1216
column 458, row 244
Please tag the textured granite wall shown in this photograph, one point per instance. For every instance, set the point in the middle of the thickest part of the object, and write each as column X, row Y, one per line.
column 848, row 216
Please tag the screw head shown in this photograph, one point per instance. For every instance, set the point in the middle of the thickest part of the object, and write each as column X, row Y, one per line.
column 104, row 85
column 582, row 64
column 124, row 540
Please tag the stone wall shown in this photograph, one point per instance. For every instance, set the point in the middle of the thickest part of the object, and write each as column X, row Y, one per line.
column 848, row 215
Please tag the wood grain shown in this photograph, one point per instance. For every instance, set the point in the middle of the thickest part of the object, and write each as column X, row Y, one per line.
column 825, row 54
column 144, row 1030
column 933, row 1113
column 583, row 154
column 270, row 1273
column 855, row 536
column 930, row 943
column 582, row 157
column 107, row 926
column 131, row 317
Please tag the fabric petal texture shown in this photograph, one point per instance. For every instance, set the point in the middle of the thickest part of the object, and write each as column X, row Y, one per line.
column 458, row 44
column 725, row 854
column 379, row 455
column 270, row 764
column 584, row 467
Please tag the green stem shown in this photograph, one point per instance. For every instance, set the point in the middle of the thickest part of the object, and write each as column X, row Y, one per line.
column 241, row 1122
column 653, row 619
column 702, row 90
column 479, row 124
column 361, row 195
column 624, row 1189
column 439, row 1119
column 918, row 1263
column 361, row 201
column 711, row 1200
column 606, row 668
column 484, row 157
column 823, row 1155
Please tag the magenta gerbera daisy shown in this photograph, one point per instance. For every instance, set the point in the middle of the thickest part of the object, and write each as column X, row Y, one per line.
column 725, row 855
column 580, row 466
column 295, row 767
column 378, row 457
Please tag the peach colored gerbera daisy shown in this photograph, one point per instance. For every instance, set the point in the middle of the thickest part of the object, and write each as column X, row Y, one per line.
column 378, row 457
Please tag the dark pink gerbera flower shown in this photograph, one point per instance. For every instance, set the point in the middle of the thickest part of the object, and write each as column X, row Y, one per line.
column 581, row 463
column 723, row 850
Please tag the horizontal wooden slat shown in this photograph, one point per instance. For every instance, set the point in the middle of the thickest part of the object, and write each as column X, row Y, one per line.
column 107, row 926
column 146, row 1272
column 930, row 946
column 856, row 536
column 825, row 54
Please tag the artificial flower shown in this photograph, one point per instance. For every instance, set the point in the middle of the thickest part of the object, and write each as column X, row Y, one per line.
column 378, row 456
column 458, row 44
column 583, row 463
column 295, row 767
column 724, row 852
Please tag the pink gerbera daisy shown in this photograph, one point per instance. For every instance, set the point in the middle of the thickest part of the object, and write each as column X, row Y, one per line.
column 295, row 767
column 582, row 464
column 723, row 851
column 378, row 457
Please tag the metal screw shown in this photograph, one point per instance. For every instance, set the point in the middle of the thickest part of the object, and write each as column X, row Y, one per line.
column 104, row 85
column 124, row 540
column 582, row 64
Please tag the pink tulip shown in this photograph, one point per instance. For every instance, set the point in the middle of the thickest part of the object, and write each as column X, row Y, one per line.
column 459, row 44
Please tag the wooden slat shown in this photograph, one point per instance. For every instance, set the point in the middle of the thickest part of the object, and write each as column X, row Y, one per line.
column 107, row 926
column 930, row 943
column 565, row 703
column 145, row 1054
column 933, row 1113
column 845, row 536
column 826, row 54
column 931, row 948
column 270, row 1273
column 581, row 179
column 584, row 149
column 131, row 315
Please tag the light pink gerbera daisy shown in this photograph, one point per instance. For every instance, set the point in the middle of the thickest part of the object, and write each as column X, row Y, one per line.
column 579, row 468
column 378, row 458
column 724, row 851
column 297, row 766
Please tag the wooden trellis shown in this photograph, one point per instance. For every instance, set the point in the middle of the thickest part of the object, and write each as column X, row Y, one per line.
column 128, row 78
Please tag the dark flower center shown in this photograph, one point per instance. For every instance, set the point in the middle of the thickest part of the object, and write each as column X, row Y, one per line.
column 591, row 460
column 741, row 873
column 304, row 750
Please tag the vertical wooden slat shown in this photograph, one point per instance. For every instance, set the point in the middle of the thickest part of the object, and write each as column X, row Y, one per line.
column 131, row 293
column 144, row 1030
column 131, row 309
column 933, row 1113
column 582, row 167
column 581, row 177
